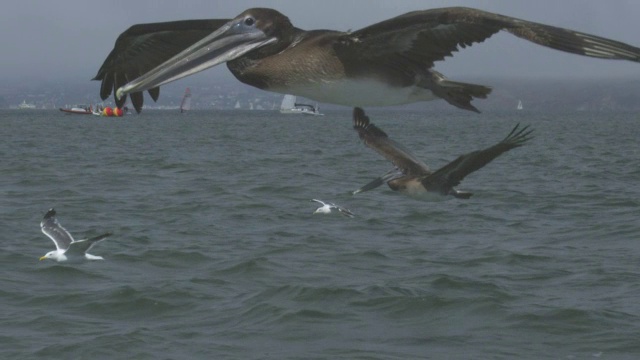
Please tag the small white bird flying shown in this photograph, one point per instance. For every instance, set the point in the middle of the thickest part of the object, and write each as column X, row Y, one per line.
column 327, row 207
column 66, row 247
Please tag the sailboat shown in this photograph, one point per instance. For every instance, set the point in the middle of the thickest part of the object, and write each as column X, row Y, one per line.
column 519, row 107
column 289, row 106
column 186, row 101
column 24, row 105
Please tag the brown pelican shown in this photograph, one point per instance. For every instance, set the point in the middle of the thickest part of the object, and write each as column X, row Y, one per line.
column 413, row 177
column 387, row 63
column 67, row 248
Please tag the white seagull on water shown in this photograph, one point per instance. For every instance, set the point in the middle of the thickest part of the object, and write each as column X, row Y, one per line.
column 327, row 207
column 66, row 247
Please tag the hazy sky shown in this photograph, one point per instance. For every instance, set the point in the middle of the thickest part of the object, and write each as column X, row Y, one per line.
column 70, row 38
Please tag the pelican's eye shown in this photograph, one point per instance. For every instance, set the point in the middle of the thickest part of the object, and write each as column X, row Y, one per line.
column 249, row 21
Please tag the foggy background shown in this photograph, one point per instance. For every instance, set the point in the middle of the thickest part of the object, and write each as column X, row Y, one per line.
column 69, row 39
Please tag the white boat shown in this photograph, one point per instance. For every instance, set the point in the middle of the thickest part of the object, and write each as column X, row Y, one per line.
column 24, row 105
column 78, row 109
column 519, row 107
column 186, row 101
column 289, row 106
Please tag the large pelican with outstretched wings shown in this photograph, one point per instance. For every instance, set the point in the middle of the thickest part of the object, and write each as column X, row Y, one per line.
column 388, row 63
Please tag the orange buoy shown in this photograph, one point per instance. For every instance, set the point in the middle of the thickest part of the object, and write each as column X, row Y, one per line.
column 107, row 111
column 117, row 112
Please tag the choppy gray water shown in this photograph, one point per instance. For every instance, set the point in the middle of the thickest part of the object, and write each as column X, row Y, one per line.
column 216, row 253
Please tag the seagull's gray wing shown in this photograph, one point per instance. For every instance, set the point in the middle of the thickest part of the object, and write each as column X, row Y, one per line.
column 80, row 247
column 345, row 212
column 52, row 228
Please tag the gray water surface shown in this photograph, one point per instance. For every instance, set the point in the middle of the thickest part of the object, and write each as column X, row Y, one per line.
column 216, row 253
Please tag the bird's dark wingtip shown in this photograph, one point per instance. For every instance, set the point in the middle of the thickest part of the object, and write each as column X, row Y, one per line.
column 137, row 99
column 360, row 119
column 51, row 213
column 518, row 136
column 155, row 93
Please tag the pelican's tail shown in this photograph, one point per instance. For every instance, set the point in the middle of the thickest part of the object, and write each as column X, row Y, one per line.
column 460, row 194
column 458, row 94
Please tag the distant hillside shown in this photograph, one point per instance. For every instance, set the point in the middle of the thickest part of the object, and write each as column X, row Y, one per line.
column 543, row 94
column 566, row 95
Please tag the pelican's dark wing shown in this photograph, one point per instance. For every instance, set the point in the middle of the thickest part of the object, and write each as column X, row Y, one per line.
column 142, row 47
column 417, row 39
column 378, row 140
column 52, row 228
column 452, row 174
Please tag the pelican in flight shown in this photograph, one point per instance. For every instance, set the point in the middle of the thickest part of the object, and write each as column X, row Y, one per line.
column 387, row 63
column 413, row 177
column 67, row 248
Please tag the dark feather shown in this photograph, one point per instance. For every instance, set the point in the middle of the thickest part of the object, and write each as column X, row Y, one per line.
column 454, row 172
column 142, row 47
column 378, row 140
column 416, row 40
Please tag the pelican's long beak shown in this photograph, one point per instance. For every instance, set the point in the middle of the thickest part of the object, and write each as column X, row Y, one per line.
column 229, row 42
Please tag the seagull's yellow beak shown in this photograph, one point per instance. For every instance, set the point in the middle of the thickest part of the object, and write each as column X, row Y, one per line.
column 42, row 258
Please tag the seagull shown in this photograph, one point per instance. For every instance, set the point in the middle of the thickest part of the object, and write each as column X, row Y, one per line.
column 387, row 63
column 413, row 177
column 327, row 207
column 66, row 247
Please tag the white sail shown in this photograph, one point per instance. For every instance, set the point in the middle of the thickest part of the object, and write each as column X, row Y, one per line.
column 186, row 101
column 288, row 103
column 289, row 106
column 519, row 107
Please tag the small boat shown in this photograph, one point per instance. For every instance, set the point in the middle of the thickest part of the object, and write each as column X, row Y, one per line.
column 289, row 106
column 78, row 110
column 519, row 107
column 186, row 101
column 24, row 105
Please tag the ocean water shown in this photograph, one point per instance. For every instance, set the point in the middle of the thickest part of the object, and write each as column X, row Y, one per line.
column 216, row 253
